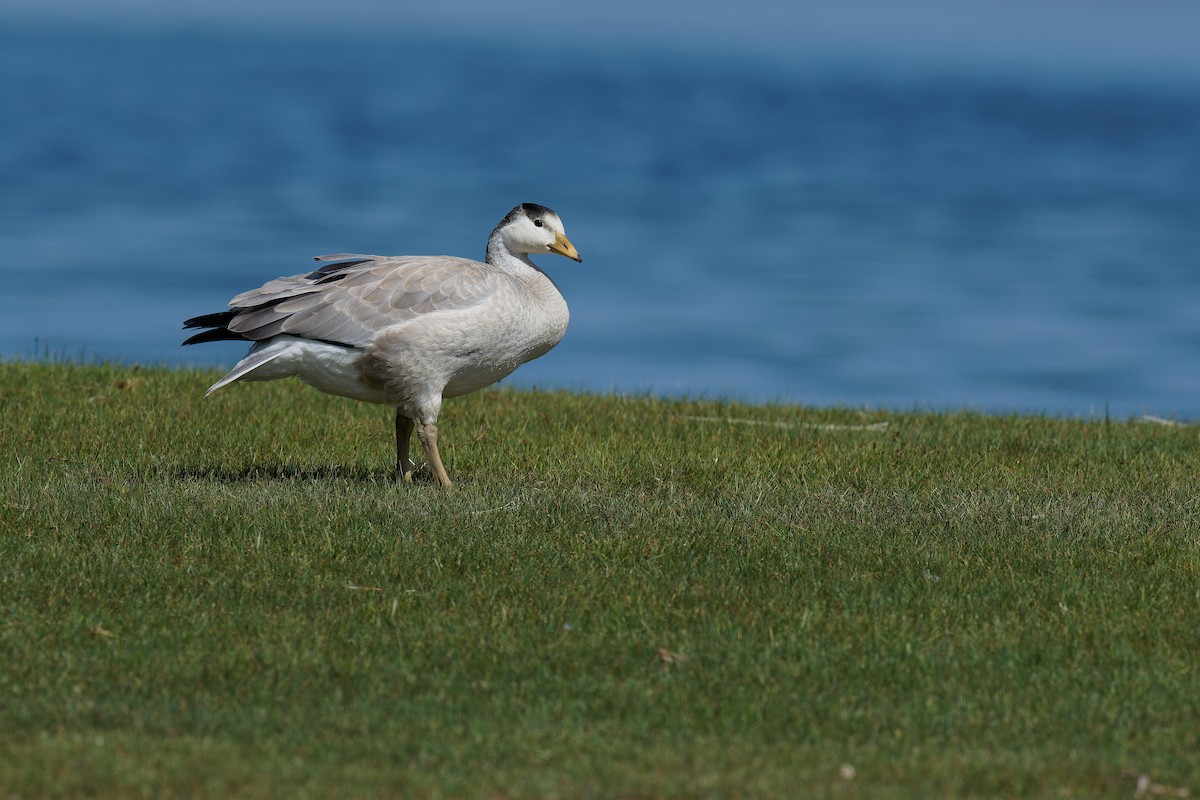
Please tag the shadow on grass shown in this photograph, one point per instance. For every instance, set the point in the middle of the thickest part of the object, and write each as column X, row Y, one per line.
column 291, row 473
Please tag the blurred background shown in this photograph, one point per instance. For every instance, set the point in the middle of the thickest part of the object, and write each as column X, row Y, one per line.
column 989, row 205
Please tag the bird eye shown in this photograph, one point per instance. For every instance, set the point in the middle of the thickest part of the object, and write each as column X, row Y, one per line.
column 538, row 222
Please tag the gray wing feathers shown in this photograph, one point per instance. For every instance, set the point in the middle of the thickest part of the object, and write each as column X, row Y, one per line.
column 347, row 257
column 352, row 305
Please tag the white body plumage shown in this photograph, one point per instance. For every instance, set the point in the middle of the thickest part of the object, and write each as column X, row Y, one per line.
column 405, row 331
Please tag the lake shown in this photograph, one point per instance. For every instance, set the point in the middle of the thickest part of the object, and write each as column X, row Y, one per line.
column 794, row 229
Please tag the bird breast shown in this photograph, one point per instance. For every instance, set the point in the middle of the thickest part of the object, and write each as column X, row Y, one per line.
column 454, row 352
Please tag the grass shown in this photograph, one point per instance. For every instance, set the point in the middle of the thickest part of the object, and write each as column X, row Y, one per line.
column 622, row 597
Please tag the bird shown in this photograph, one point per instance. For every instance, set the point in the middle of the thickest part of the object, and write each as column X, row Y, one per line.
column 404, row 331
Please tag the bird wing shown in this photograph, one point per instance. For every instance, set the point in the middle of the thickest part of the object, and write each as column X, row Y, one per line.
column 349, row 302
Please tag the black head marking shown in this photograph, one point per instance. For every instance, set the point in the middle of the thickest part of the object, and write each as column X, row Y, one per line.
column 531, row 210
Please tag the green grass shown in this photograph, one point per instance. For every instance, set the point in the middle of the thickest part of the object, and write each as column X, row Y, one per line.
column 622, row 597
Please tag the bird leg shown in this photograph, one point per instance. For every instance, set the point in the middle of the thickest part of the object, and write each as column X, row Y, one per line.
column 427, row 433
column 404, row 429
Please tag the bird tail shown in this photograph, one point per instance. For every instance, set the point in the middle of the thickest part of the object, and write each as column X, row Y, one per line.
column 256, row 358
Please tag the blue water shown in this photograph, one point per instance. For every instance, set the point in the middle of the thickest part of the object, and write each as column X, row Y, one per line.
column 809, row 230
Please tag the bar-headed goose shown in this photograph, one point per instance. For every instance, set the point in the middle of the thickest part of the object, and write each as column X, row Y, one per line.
column 404, row 331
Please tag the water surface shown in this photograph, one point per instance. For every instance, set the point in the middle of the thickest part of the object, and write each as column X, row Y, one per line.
column 808, row 230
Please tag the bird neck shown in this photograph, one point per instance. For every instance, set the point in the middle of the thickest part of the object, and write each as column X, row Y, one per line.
column 500, row 256
column 520, row 267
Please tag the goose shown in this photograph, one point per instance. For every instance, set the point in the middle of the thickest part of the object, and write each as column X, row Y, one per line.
column 404, row 331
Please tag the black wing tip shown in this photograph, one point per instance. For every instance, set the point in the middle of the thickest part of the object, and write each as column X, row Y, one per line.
column 216, row 320
column 218, row 324
column 214, row 335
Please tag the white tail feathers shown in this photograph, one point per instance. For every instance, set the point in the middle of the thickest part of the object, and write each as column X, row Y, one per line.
column 256, row 358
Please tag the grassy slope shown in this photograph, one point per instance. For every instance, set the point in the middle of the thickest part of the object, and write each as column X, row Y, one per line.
column 623, row 596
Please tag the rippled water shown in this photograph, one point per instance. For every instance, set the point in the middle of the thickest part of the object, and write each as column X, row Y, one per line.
column 800, row 230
